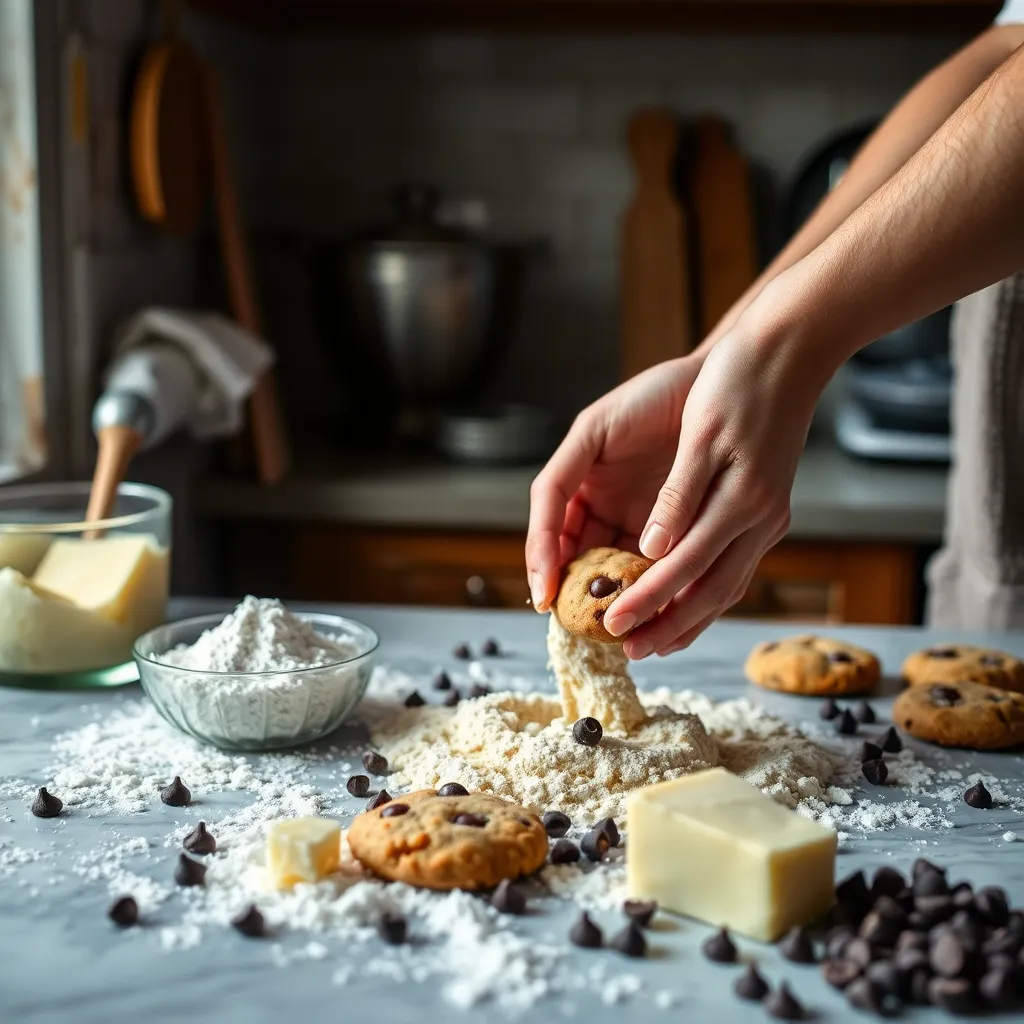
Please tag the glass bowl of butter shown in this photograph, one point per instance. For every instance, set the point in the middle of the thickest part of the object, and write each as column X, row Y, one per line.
column 75, row 595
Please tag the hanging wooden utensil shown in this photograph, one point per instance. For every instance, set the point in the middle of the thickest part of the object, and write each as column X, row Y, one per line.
column 723, row 209
column 654, row 267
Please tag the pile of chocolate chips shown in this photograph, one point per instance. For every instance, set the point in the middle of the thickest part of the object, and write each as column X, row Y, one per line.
column 923, row 941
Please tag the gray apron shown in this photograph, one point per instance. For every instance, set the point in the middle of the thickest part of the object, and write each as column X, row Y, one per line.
column 976, row 580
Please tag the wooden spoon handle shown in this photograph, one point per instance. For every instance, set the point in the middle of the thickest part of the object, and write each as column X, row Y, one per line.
column 117, row 446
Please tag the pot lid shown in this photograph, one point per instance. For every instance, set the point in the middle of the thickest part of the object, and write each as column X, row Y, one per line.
column 415, row 220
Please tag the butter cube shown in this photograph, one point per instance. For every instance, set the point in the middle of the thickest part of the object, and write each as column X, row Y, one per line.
column 714, row 847
column 302, row 850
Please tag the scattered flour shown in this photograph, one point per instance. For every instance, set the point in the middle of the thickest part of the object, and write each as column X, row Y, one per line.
column 266, row 703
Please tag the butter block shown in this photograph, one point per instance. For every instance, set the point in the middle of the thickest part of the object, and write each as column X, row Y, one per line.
column 714, row 847
column 122, row 578
column 302, row 850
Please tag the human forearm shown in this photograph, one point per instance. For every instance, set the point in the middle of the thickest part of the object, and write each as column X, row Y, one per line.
column 915, row 118
column 949, row 222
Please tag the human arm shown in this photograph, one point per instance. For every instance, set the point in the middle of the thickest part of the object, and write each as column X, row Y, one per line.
column 947, row 223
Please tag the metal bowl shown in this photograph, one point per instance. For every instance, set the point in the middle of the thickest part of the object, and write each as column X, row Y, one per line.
column 253, row 715
column 504, row 434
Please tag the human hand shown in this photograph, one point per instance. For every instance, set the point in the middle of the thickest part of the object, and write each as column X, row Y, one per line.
column 725, row 499
column 600, row 485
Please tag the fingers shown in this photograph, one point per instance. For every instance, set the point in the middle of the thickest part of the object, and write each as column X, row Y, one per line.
column 725, row 516
column 550, row 495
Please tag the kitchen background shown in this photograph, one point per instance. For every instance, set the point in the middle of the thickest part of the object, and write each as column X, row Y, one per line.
column 328, row 107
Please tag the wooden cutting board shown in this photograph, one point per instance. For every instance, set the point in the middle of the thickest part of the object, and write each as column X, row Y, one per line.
column 654, row 292
column 723, row 211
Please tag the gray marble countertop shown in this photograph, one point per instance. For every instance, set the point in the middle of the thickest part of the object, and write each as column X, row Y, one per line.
column 834, row 496
column 61, row 960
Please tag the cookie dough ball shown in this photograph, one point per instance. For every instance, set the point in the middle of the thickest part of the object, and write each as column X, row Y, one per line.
column 591, row 584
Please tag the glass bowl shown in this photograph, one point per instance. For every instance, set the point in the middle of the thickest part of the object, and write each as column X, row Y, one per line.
column 75, row 595
column 256, row 710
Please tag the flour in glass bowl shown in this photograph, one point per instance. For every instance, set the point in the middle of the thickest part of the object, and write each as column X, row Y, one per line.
column 270, row 682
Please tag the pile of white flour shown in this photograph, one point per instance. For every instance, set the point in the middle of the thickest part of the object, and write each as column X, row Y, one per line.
column 261, row 640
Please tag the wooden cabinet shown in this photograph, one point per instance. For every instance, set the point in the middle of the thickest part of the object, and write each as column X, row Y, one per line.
column 839, row 582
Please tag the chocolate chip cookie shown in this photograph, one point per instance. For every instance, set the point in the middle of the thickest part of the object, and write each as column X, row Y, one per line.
column 953, row 663
column 812, row 665
column 449, row 842
column 961, row 714
column 592, row 582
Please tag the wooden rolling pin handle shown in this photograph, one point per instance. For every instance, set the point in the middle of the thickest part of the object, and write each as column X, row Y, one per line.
column 117, row 446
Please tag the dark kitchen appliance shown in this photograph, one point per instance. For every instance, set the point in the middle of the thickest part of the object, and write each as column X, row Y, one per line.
column 898, row 389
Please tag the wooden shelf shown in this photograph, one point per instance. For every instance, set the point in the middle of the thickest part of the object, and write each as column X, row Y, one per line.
column 589, row 16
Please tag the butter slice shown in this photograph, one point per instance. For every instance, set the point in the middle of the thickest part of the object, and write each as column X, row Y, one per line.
column 714, row 847
column 122, row 578
column 302, row 850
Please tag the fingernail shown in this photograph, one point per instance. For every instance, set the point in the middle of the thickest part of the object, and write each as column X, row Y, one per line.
column 639, row 650
column 537, row 591
column 619, row 624
column 655, row 541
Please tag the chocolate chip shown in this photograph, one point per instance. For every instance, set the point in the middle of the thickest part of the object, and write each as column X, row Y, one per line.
column 992, row 661
column 853, row 890
column 451, row 698
column 508, row 898
column 969, row 931
column 978, row 796
column 720, row 948
column 879, row 930
column 199, row 840
column 943, row 652
column 479, row 690
column 886, row 881
column 556, row 824
column 876, row 772
column 935, row 909
column 610, row 829
column 828, row 710
column 189, row 872
column 963, row 896
column 595, row 844
column 930, row 883
column 783, row 1005
column 870, row 752
column 867, row 994
column 176, row 794
column 250, row 923
column 890, row 741
column 46, row 805
column 394, row 810
column 1002, row 942
column 750, row 985
column 358, row 785
column 564, row 852
column 442, row 681
column 453, row 789
column 945, row 696
column 918, row 981
column 470, row 820
column 837, row 940
column 1016, row 922
column 374, row 763
column 490, row 648
column 414, row 700
column 124, row 912
column 889, row 909
column 859, row 951
column 998, row 987
column 392, row 927
column 839, row 973
column 955, row 995
column 865, row 713
column 948, row 955
column 846, row 724
column 585, row 933
column 912, row 941
column 462, row 652
column 603, row 586
column 587, row 731
column 640, row 911
column 840, row 657
column 630, row 940
column 991, row 904
column 379, row 800
column 797, row 946
column 922, row 866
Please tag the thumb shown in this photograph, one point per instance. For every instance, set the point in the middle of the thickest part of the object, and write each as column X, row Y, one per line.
column 678, row 500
